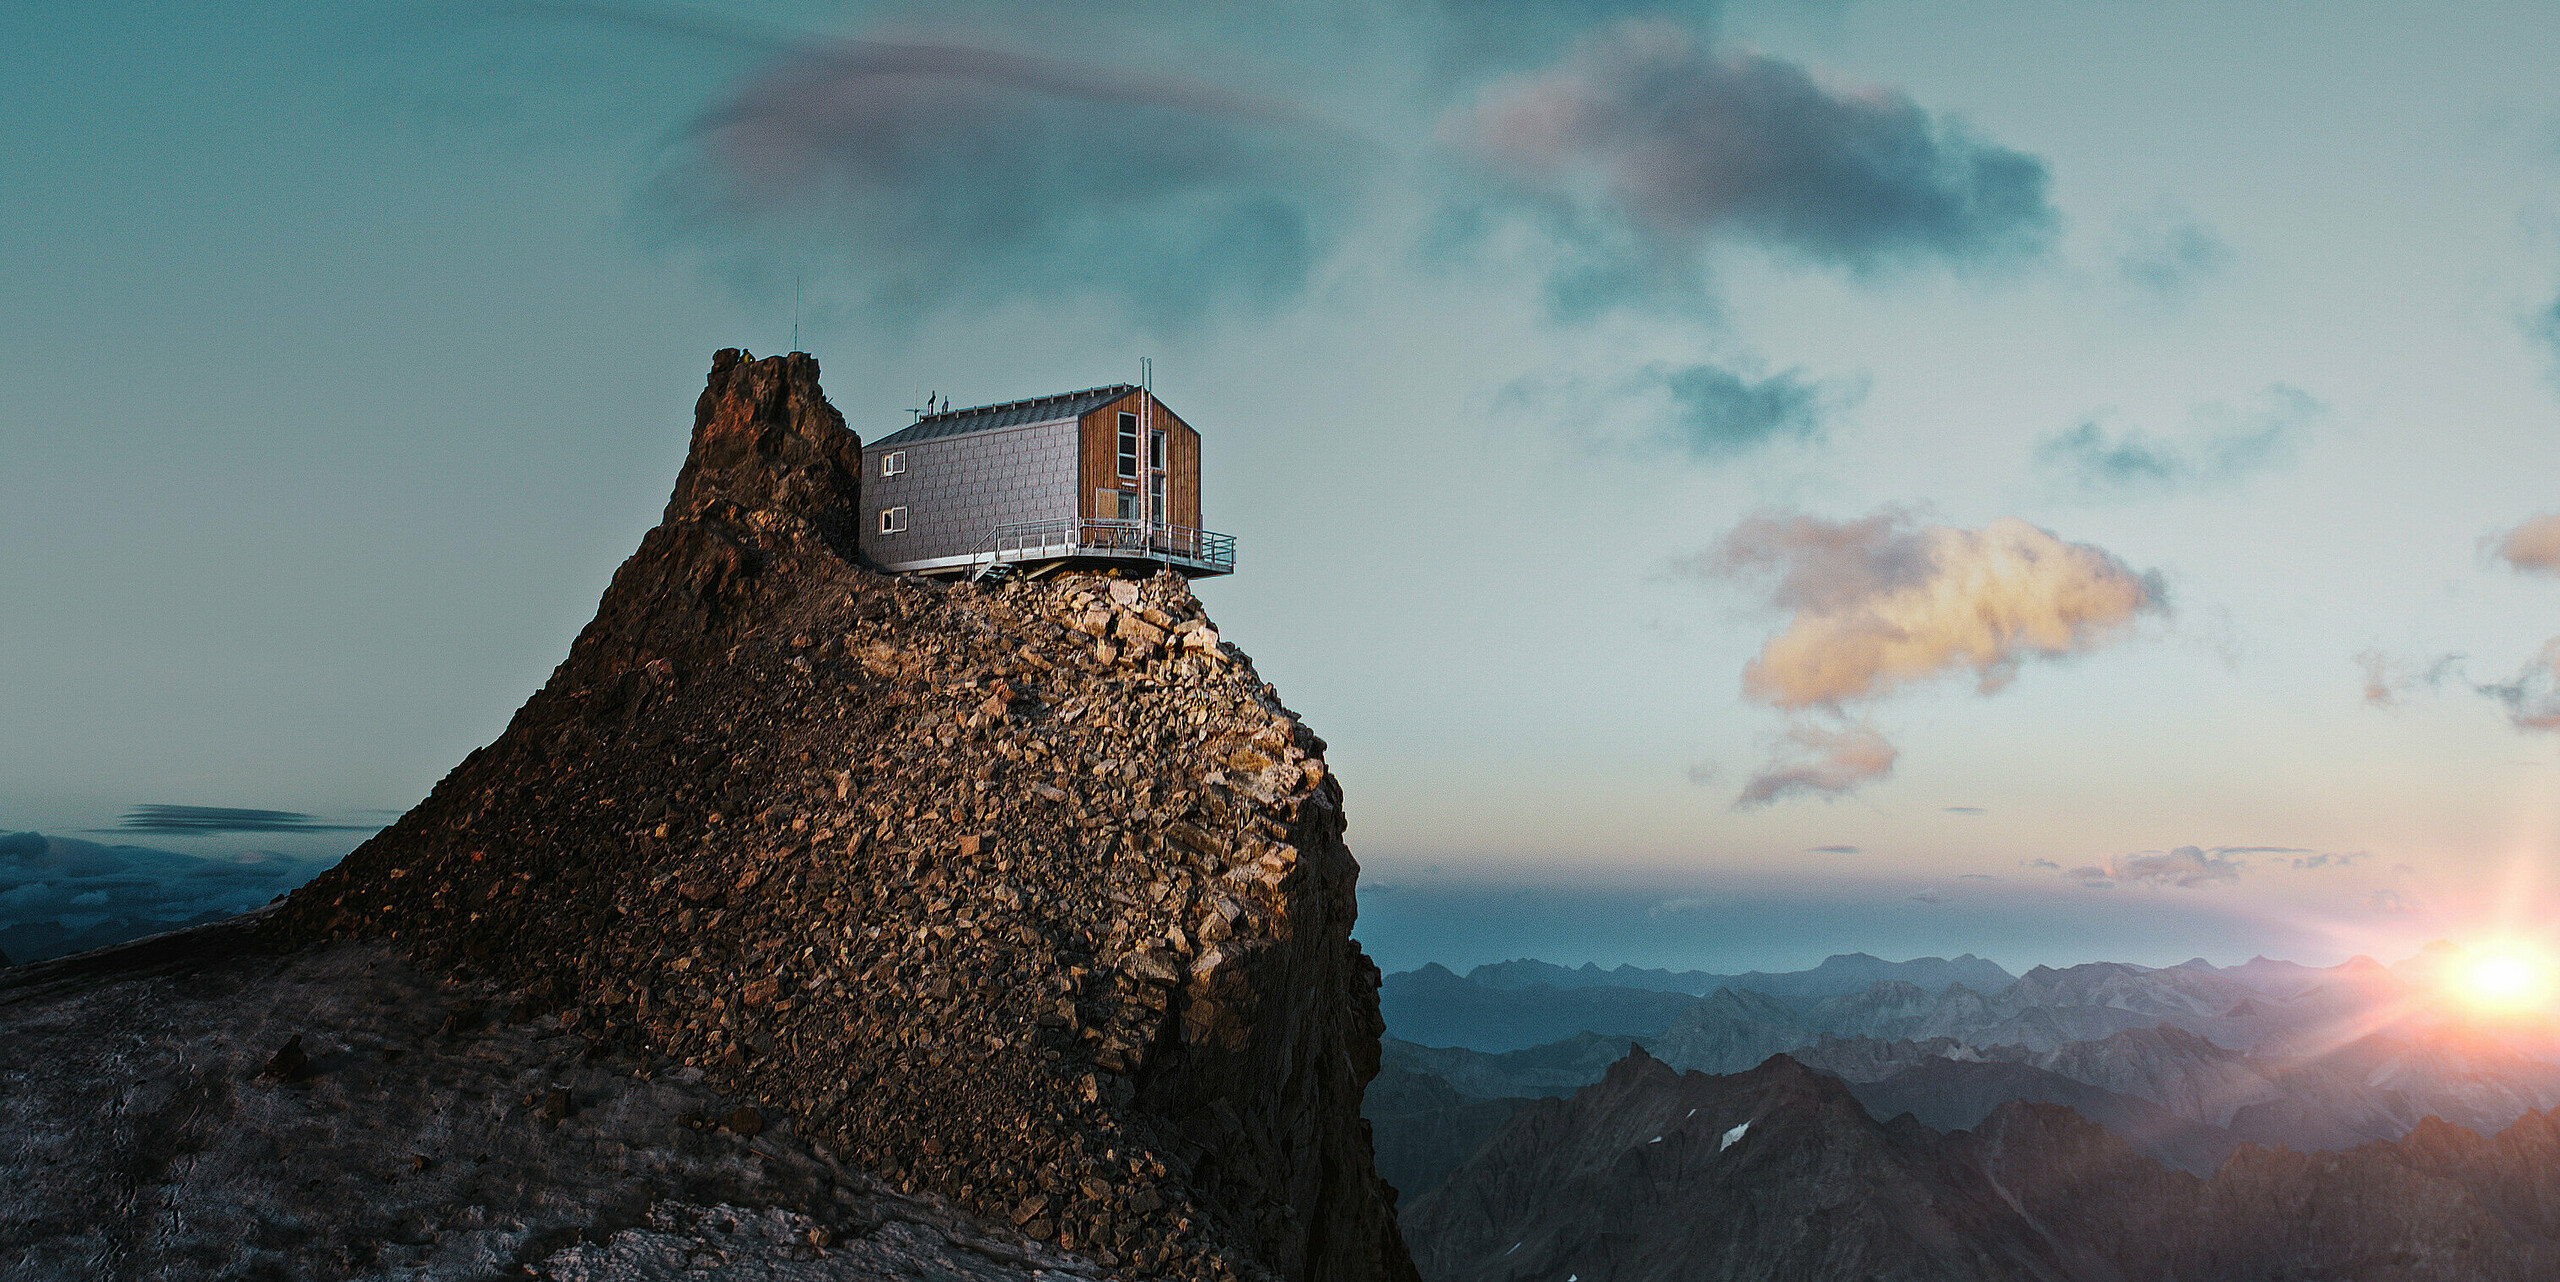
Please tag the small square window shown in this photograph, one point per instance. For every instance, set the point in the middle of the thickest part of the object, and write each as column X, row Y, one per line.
column 893, row 520
column 893, row 463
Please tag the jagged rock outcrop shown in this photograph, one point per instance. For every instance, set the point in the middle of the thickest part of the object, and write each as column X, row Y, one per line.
column 1031, row 897
column 1778, row 1174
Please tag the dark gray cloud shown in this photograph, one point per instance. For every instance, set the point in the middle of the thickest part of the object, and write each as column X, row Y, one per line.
column 1716, row 412
column 2166, row 251
column 1644, row 145
column 213, row 819
column 1705, row 411
column 2222, row 443
column 933, row 176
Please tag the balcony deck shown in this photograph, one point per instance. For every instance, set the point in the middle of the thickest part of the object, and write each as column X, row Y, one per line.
column 1089, row 543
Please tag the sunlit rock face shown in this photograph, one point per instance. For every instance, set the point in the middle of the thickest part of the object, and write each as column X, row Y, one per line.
column 1033, row 896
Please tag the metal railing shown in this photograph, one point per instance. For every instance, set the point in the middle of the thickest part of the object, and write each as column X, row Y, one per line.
column 1095, row 536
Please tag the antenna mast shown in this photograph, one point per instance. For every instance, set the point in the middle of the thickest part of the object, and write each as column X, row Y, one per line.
column 795, row 310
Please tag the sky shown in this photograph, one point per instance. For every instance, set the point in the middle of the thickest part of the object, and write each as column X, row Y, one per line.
column 1757, row 480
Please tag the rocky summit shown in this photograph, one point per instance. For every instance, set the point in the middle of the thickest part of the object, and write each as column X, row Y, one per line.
column 1030, row 897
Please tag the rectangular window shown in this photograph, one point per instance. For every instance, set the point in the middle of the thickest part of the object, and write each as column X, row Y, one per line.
column 893, row 463
column 1155, row 494
column 1129, row 445
column 893, row 520
column 1155, row 450
column 1128, row 506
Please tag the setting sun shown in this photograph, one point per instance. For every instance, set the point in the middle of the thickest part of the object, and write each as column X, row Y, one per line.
column 2505, row 980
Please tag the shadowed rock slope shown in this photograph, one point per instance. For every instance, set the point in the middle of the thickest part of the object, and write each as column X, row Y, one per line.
column 1032, row 897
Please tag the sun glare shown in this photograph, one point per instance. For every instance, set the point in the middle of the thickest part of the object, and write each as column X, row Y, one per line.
column 2506, row 980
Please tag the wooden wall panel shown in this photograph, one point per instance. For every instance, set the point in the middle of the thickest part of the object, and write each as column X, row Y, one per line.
column 1102, row 455
column 1182, row 468
column 1100, row 433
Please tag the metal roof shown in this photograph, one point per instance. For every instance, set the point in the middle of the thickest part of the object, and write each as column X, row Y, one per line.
column 1039, row 409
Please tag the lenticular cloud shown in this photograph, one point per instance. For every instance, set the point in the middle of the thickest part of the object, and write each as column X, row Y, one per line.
column 1882, row 602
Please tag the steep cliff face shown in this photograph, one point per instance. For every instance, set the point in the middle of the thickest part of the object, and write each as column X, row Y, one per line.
column 1034, row 897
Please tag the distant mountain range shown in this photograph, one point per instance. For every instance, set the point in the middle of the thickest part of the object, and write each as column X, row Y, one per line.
column 1509, row 1005
column 63, row 895
column 1651, row 1175
column 2184, row 1063
column 1838, row 974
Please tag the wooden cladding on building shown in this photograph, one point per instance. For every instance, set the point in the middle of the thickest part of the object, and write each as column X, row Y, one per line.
column 1102, row 482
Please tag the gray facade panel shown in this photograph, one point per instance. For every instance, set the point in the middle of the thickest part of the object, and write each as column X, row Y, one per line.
column 958, row 489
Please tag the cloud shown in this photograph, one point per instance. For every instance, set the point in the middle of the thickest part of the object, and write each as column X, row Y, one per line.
column 1642, row 146
column 1975, row 876
column 1925, row 897
column 1832, row 850
column 2166, row 251
column 1716, row 412
column 2389, row 677
column 1681, row 904
column 1705, row 773
column 1813, row 761
column 2389, row 903
column 2222, row 444
column 2532, row 696
column 2186, row 866
column 1964, row 810
column 2530, row 548
column 1881, row 602
column 944, row 175
column 213, row 819
column 2544, row 326
column 2191, row 867
column 1705, row 411
column 1477, row 35
column 1885, row 602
